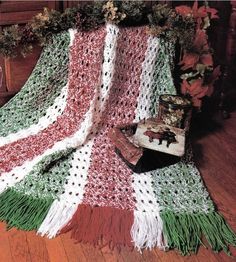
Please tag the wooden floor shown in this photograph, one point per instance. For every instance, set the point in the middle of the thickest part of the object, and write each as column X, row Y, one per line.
column 215, row 153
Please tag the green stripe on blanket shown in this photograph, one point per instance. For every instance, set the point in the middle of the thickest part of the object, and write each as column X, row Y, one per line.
column 40, row 90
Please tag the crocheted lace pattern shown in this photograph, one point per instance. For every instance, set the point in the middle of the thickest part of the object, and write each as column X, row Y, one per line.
column 58, row 167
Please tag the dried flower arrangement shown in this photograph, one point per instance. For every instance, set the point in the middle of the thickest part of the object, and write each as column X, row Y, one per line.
column 183, row 24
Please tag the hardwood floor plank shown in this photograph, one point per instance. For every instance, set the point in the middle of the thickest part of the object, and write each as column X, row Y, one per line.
column 73, row 251
column 203, row 255
column 19, row 246
column 5, row 251
column 150, row 256
column 222, row 257
column 37, row 248
column 56, row 251
column 168, row 256
column 131, row 256
column 111, row 255
column 92, row 254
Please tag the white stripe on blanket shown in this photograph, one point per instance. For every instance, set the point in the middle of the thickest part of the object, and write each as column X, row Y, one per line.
column 147, row 229
column 147, row 86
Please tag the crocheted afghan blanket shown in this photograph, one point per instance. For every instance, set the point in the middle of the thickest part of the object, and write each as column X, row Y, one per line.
column 59, row 170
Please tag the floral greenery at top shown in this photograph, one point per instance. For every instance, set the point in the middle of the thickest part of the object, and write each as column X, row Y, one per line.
column 183, row 24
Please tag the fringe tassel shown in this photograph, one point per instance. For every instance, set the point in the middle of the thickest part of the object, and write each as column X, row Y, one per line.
column 147, row 230
column 23, row 211
column 101, row 226
column 184, row 231
column 59, row 215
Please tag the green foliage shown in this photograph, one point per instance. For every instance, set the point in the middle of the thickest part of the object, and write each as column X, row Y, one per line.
column 135, row 10
column 49, row 22
column 163, row 21
column 69, row 18
column 39, row 29
column 90, row 16
column 9, row 40
column 185, row 30
column 113, row 13
column 161, row 15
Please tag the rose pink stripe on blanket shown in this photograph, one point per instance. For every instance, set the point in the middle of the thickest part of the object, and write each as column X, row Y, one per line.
column 109, row 185
column 84, row 76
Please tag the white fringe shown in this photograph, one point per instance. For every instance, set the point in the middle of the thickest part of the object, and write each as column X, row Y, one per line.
column 60, row 214
column 147, row 230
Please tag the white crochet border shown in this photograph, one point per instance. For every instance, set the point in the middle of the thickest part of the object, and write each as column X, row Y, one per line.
column 147, row 229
